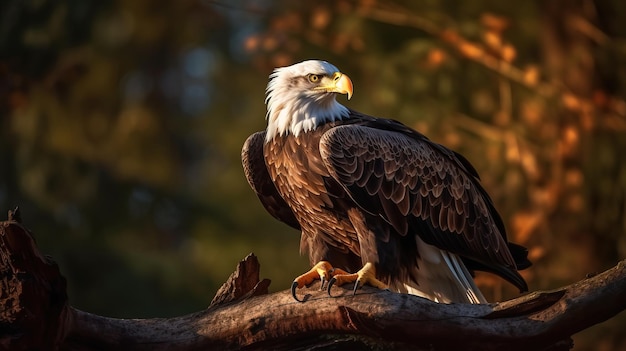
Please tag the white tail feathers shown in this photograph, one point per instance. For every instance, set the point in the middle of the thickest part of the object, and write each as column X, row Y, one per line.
column 442, row 277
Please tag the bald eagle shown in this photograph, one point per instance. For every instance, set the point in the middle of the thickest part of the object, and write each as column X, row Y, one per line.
column 377, row 202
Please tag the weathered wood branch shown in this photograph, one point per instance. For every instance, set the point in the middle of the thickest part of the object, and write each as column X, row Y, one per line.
column 35, row 314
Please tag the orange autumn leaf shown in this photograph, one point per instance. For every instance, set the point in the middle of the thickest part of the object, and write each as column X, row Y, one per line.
column 494, row 22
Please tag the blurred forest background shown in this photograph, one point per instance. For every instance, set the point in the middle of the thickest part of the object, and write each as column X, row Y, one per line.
column 122, row 125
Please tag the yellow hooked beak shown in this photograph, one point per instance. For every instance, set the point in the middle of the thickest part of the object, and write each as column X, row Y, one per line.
column 343, row 84
column 337, row 83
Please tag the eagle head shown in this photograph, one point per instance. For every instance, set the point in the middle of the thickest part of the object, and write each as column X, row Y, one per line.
column 301, row 97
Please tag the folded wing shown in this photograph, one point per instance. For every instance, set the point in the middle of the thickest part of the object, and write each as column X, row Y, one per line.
column 259, row 179
column 420, row 188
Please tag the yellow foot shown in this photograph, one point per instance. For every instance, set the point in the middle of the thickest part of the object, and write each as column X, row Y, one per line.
column 366, row 275
column 323, row 270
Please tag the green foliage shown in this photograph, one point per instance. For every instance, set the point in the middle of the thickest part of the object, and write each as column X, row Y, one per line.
column 123, row 124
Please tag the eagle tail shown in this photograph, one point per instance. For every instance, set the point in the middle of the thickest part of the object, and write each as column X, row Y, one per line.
column 442, row 277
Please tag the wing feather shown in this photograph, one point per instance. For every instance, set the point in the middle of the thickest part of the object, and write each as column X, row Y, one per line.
column 259, row 179
column 419, row 187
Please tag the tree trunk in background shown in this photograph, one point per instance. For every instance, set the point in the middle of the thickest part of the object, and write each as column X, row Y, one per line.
column 586, row 146
column 569, row 62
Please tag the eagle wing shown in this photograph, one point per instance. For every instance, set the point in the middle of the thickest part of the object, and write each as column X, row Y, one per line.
column 259, row 179
column 419, row 187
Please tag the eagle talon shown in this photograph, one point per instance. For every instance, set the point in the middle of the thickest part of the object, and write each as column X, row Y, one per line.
column 332, row 282
column 356, row 286
column 322, row 271
column 366, row 275
column 293, row 291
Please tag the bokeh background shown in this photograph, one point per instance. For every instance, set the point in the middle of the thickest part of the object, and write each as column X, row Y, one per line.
column 122, row 125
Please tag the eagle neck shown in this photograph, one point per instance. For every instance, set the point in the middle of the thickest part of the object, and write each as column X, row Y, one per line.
column 301, row 114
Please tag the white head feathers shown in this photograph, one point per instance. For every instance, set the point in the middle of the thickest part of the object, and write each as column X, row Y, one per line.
column 293, row 106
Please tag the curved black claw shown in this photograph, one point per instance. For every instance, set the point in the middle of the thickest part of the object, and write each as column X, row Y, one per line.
column 356, row 286
column 331, row 282
column 293, row 291
column 323, row 281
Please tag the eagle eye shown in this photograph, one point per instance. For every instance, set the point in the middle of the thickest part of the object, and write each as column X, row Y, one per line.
column 313, row 78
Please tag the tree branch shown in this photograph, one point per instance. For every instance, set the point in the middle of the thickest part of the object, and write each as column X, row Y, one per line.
column 480, row 54
column 35, row 314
